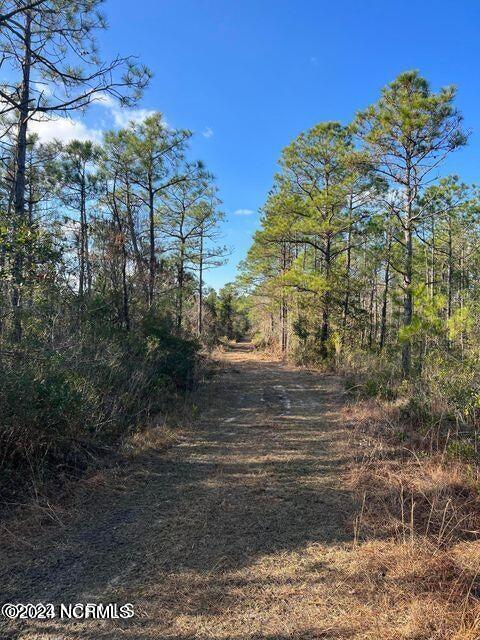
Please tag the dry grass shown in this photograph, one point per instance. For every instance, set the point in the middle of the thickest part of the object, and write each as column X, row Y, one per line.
column 417, row 528
column 245, row 530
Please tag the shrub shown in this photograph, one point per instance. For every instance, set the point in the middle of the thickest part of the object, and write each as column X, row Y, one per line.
column 62, row 408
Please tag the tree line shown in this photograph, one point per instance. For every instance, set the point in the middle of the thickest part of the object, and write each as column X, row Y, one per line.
column 363, row 245
column 104, row 246
column 129, row 225
column 368, row 259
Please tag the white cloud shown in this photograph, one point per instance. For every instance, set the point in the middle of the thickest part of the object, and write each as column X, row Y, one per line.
column 43, row 88
column 243, row 212
column 63, row 129
column 207, row 132
column 122, row 116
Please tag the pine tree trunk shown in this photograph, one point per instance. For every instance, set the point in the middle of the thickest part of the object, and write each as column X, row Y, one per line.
column 432, row 257
column 325, row 328
column 370, row 311
column 81, row 247
column 181, row 277
column 284, row 325
column 450, row 271
column 408, row 297
column 152, row 261
column 200, row 288
column 20, row 179
column 383, row 324
column 346, row 302
column 283, row 307
column 139, row 260
column 125, row 296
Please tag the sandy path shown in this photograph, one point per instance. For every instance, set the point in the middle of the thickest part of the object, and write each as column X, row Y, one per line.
column 237, row 532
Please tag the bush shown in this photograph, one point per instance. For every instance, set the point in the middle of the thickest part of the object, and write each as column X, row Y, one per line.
column 370, row 375
column 439, row 406
column 61, row 408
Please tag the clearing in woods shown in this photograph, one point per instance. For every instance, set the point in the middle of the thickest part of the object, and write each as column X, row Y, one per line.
column 240, row 530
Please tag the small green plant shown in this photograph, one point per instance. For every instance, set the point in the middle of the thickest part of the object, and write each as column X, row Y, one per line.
column 463, row 450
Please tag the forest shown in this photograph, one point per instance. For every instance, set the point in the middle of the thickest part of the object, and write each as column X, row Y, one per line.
column 368, row 256
column 293, row 453
column 103, row 250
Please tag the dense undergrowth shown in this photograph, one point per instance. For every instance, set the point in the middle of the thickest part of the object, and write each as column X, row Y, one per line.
column 64, row 409
column 439, row 408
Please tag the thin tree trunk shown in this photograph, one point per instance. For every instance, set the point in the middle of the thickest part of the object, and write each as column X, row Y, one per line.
column 432, row 257
column 200, row 287
column 383, row 325
column 407, row 283
column 152, row 262
column 81, row 246
column 20, row 179
column 86, row 239
column 283, row 306
column 181, row 277
column 30, row 207
column 325, row 328
column 125, row 296
column 133, row 236
column 347, row 269
column 370, row 311
column 450, row 271
column 284, row 325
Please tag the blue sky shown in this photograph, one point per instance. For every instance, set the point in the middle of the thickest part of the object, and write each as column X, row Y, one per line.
column 248, row 75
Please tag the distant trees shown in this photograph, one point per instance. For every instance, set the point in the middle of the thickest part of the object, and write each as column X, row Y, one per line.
column 158, row 153
column 231, row 313
column 313, row 216
column 77, row 186
column 132, row 219
column 190, row 219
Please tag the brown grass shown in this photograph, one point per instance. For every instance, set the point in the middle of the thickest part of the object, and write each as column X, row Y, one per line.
column 247, row 531
column 417, row 528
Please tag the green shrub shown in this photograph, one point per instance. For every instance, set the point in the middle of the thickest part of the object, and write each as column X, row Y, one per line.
column 462, row 449
column 369, row 375
column 60, row 408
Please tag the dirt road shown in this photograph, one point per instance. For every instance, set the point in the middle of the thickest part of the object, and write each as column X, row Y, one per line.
column 238, row 531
